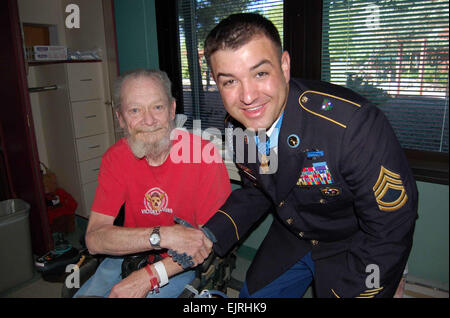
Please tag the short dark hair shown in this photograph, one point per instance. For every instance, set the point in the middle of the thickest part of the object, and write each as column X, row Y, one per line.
column 237, row 30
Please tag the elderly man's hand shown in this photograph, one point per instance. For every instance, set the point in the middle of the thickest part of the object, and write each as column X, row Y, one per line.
column 136, row 285
column 190, row 241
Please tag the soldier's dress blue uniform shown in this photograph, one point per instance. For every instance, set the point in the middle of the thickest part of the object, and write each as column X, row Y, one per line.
column 343, row 190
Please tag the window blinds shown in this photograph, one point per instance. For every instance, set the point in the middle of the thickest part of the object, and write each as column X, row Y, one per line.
column 196, row 18
column 396, row 54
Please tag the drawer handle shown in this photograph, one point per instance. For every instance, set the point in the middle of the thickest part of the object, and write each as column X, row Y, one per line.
column 86, row 79
column 90, row 116
column 96, row 146
column 96, row 169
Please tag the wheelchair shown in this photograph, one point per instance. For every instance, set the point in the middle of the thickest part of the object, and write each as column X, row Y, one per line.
column 213, row 274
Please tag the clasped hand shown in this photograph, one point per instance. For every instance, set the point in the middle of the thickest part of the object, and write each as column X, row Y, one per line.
column 187, row 246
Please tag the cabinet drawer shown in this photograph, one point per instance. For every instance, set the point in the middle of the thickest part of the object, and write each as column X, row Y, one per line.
column 89, row 170
column 91, row 147
column 89, row 118
column 84, row 81
column 89, row 194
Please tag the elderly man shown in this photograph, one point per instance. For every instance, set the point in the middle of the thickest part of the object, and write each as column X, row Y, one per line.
column 138, row 171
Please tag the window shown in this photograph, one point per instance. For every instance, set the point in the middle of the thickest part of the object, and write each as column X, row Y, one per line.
column 396, row 54
column 196, row 18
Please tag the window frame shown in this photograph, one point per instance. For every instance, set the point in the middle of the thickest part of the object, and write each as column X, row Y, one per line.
column 168, row 47
column 304, row 46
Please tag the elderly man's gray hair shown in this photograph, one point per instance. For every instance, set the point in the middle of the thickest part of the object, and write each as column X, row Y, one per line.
column 139, row 73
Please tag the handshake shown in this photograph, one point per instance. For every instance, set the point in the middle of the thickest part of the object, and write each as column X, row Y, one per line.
column 184, row 259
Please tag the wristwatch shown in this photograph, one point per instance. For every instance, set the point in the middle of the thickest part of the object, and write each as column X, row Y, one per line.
column 155, row 238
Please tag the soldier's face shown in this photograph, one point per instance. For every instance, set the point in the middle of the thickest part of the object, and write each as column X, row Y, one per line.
column 253, row 81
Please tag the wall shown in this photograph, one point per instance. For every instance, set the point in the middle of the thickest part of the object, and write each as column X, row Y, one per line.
column 137, row 42
column 44, row 12
column 429, row 255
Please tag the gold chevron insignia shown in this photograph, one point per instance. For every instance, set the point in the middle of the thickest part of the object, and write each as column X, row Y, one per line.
column 370, row 293
column 389, row 191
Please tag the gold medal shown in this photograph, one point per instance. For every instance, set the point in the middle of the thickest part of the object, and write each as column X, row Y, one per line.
column 264, row 167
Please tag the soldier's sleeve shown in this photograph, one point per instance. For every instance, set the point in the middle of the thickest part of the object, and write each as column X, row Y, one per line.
column 377, row 171
column 243, row 208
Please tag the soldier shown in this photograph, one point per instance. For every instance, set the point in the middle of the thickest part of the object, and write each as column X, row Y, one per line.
column 343, row 195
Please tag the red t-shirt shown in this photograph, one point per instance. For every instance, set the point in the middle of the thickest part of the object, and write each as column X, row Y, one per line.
column 193, row 191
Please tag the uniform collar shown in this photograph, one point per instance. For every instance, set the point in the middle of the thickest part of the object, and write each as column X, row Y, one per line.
column 272, row 133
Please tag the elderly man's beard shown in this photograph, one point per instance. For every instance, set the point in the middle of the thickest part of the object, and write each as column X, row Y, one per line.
column 156, row 149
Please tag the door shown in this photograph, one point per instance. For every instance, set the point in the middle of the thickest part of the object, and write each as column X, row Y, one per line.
column 19, row 148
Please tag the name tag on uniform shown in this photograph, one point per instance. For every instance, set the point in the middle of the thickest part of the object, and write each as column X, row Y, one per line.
column 315, row 175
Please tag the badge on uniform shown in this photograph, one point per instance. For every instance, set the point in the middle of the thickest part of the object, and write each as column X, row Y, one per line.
column 293, row 141
column 389, row 191
column 315, row 175
column 327, row 105
column 314, row 154
column 330, row 192
column 264, row 167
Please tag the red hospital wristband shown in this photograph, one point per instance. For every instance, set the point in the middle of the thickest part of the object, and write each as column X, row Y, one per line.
column 154, row 285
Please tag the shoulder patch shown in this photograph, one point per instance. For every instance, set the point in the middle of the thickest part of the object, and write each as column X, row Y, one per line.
column 389, row 191
column 324, row 105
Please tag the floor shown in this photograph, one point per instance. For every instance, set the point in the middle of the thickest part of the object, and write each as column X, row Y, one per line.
column 37, row 287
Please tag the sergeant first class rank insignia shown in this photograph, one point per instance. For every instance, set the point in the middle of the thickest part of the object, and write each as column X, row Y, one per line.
column 315, row 175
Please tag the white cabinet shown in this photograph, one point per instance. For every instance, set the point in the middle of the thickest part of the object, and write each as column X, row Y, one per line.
column 88, row 118
column 89, row 125
column 84, row 81
column 75, row 123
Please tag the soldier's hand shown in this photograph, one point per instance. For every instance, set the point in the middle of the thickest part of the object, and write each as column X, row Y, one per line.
column 186, row 242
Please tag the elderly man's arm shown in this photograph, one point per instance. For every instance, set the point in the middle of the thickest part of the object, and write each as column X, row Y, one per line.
column 137, row 284
column 103, row 237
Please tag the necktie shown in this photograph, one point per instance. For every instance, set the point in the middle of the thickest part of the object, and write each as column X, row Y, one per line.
column 263, row 147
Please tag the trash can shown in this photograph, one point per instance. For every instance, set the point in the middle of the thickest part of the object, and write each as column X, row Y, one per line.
column 16, row 256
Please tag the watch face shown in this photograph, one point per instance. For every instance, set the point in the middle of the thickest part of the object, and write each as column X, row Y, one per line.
column 154, row 239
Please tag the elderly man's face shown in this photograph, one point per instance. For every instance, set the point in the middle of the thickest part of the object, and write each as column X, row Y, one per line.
column 147, row 115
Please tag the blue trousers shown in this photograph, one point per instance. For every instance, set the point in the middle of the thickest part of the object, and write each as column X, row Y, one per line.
column 291, row 284
column 109, row 272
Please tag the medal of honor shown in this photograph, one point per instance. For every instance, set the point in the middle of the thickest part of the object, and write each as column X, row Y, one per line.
column 264, row 167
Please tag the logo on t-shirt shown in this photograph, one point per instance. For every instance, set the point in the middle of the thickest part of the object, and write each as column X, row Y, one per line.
column 155, row 201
